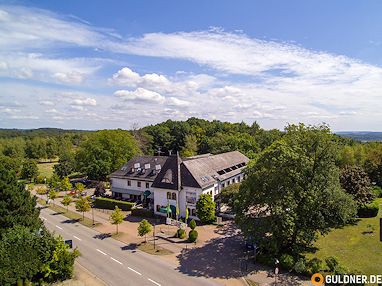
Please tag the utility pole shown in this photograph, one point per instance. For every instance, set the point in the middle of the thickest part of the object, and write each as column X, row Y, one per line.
column 154, row 235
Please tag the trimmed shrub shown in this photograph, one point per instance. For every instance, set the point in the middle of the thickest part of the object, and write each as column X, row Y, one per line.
column 142, row 212
column 181, row 233
column 369, row 210
column 331, row 262
column 40, row 179
column 106, row 203
column 300, row 267
column 287, row 261
column 192, row 224
column 192, row 235
column 314, row 265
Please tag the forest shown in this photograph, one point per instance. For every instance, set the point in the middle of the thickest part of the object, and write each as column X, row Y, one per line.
column 98, row 153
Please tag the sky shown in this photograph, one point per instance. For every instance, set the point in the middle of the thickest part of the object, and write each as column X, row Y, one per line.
column 118, row 64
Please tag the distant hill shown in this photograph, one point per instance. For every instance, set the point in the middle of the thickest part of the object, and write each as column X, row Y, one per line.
column 364, row 136
column 9, row 133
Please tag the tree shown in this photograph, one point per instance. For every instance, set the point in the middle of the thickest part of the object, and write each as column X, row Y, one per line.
column 205, row 208
column 83, row 205
column 29, row 170
column 144, row 228
column 54, row 181
column 79, row 187
column 292, row 192
column 66, row 164
column 116, row 217
column 66, row 201
column 53, row 195
column 356, row 182
column 228, row 195
column 190, row 146
column 17, row 206
column 104, row 152
column 65, row 185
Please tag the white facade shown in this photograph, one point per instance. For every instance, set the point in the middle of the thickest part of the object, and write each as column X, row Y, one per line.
column 128, row 188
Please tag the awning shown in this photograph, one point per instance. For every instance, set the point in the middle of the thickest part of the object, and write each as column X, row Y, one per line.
column 164, row 210
column 146, row 193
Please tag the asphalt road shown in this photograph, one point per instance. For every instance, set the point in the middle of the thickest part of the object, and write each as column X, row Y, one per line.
column 110, row 261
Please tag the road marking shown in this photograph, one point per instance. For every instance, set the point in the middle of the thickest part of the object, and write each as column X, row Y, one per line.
column 101, row 251
column 116, row 260
column 77, row 238
column 59, row 227
column 153, row 282
column 134, row 271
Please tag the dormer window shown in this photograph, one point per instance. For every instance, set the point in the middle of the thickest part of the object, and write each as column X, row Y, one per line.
column 167, row 178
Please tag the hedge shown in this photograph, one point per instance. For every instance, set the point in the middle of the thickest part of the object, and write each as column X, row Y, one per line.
column 142, row 212
column 369, row 210
column 106, row 203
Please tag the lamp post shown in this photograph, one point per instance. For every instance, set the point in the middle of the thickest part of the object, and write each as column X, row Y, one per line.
column 154, row 235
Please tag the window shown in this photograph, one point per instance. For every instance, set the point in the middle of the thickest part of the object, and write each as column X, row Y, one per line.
column 238, row 179
column 223, row 185
column 139, row 184
column 158, row 208
column 147, row 185
column 129, row 183
column 174, row 196
column 168, row 195
column 191, row 198
column 193, row 212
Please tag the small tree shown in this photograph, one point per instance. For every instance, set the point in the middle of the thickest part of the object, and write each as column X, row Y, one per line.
column 83, row 205
column 116, row 217
column 144, row 228
column 66, row 201
column 80, row 187
column 65, row 185
column 205, row 208
column 52, row 195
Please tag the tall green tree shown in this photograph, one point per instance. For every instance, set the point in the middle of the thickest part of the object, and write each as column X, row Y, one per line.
column 66, row 201
column 17, row 206
column 29, row 170
column 105, row 151
column 292, row 192
column 205, row 208
column 190, row 147
column 65, row 185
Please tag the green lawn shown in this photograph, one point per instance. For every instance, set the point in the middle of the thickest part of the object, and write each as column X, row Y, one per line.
column 357, row 247
column 46, row 169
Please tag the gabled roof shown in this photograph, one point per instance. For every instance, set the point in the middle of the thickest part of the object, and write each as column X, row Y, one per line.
column 148, row 168
column 169, row 178
column 207, row 170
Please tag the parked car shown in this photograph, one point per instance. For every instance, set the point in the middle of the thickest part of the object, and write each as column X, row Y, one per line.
column 84, row 193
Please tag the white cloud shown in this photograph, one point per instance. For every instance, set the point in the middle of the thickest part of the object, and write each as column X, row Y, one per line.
column 140, row 94
column 173, row 101
column 84, row 102
column 71, row 77
column 46, row 102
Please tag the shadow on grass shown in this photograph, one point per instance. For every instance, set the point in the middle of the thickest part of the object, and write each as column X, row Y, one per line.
column 102, row 236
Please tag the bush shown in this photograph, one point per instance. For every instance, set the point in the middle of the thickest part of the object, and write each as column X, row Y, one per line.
column 265, row 259
column 181, row 233
column 377, row 191
column 40, row 179
column 287, row 261
column 142, row 212
column 105, row 203
column 300, row 267
column 314, row 265
column 192, row 235
column 369, row 210
column 331, row 262
column 192, row 224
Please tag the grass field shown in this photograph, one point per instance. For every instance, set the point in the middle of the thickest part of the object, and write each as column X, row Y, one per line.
column 357, row 247
column 46, row 169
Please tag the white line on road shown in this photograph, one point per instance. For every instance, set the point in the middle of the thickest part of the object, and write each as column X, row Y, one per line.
column 59, row 227
column 154, row 282
column 116, row 260
column 134, row 271
column 101, row 251
column 77, row 238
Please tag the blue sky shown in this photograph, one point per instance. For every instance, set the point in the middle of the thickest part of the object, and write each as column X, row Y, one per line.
column 115, row 64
